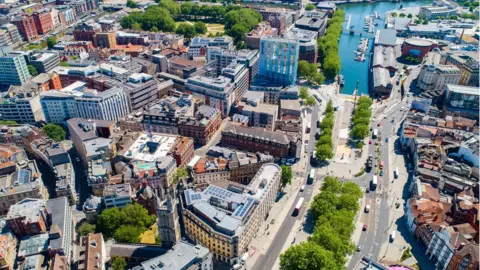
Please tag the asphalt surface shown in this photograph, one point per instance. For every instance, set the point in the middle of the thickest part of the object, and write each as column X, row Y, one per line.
column 378, row 225
column 267, row 261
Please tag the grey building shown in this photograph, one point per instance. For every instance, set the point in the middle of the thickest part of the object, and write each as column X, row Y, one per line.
column 141, row 90
column 13, row 67
column 44, row 62
column 168, row 219
column 111, row 104
column 117, row 195
column 312, row 24
column 21, row 105
column 12, row 35
column 60, row 234
column 382, row 84
column 182, row 256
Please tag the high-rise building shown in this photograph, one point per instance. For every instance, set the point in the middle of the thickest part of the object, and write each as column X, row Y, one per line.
column 224, row 57
column 61, row 230
column 43, row 21
column 44, row 62
column 110, row 105
column 13, row 67
column 278, row 60
column 21, row 105
column 168, row 220
column 239, row 76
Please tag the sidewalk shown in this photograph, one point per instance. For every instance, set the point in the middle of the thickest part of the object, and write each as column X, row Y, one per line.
column 393, row 251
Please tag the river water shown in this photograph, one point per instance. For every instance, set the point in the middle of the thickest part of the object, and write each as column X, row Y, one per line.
column 352, row 70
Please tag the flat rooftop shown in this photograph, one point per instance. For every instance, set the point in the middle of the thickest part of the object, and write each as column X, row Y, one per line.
column 150, row 148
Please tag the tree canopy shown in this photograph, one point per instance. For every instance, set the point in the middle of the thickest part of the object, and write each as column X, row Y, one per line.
column 126, row 224
column 310, row 7
column 32, row 70
column 361, row 118
column 324, row 144
column 328, row 46
column 153, row 16
column 51, row 41
column 333, row 211
column 55, row 132
column 286, row 175
column 86, row 228
column 179, row 174
column 119, row 263
column 131, row 4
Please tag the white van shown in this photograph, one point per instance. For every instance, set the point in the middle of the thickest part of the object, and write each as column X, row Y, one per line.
column 302, row 188
column 367, row 208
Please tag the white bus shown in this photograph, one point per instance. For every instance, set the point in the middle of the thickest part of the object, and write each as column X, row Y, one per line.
column 392, row 236
column 373, row 184
column 311, row 176
column 298, row 206
column 396, row 173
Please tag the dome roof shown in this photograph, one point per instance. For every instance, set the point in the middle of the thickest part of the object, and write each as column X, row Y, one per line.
column 92, row 203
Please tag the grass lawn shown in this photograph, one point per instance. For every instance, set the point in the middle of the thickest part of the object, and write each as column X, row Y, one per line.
column 148, row 237
column 211, row 27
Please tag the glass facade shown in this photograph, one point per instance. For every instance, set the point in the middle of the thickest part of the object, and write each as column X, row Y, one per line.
column 279, row 60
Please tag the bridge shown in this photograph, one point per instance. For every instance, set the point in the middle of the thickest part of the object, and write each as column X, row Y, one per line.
column 349, row 30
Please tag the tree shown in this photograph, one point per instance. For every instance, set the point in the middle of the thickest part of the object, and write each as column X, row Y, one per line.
column 136, row 26
column 310, row 101
column 179, row 174
column 310, row 7
column 402, row 15
column 109, row 221
column 154, row 29
column 409, row 15
column 331, row 65
column 55, row 132
column 394, row 14
column 303, row 93
column 241, row 45
column 131, row 4
column 86, row 228
column 51, row 41
column 359, row 131
column 128, row 234
column 319, row 78
column 307, row 256
column 119, row 263
column 137, row 215
column 8, row 122
column 286, row 175
column 324, row 152
column 238, row 32
column 170, row 5
column 187, row 30
column 64, row 64
column 453, row 17
column 32, row 70
column 200, row 27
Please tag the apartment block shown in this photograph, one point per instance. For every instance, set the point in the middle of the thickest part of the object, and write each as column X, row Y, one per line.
column 26, row 26
column 202, row 127
column 28, row 217
column 94, row 248
column 12, row 35
column 278, row 60
column 13, row 67
column 43, row 21
column 21, row 105
column 44, row 62
column 436, row 77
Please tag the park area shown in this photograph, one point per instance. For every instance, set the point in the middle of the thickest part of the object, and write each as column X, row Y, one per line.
column 212, row 28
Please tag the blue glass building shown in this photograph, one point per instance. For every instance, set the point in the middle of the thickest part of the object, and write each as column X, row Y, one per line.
column 278, row 60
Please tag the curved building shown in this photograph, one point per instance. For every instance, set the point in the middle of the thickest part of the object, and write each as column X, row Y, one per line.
column 417, row 47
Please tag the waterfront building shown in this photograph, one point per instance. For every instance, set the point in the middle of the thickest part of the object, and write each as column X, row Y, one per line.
column 382, row 84
column 308, row 46
column 432, row 12
column 13, row 67
column 436, row 77
column 278, row 60
column 314, row 23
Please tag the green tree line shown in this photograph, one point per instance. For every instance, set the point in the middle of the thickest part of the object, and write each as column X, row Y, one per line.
column 325, row 142
column 333, row 212
column 310, row 72
column 328, row 46
column 361, row 118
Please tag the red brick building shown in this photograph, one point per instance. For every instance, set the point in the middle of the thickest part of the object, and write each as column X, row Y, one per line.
column 464, row 210
column 279, row 145
column 86, row 32
column 28, row 217
column 465, row 257
column 201, row 128
column 26, row 26
column 183, row 151
column 43, row 21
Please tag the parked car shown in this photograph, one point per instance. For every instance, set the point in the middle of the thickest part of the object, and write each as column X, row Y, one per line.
column 359, row 248
column 365, row 227
column 381, row 173
column 370, row 142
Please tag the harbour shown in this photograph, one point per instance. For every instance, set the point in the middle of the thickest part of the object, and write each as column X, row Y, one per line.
column 355, row 37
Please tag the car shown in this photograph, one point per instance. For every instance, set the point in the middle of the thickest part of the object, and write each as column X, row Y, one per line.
column 359, row 248
column 365, row 227
column 381, row 173
column 378, row 124
column 367, row 190
column 386, row 140
column 370, row 142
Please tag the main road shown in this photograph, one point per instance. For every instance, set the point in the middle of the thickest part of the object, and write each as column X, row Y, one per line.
column 267, row 261
column 378, row 224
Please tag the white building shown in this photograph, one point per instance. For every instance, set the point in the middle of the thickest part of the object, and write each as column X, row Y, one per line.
column 117, row 195
column 440, row 250
column 111, row 104
column 198, row 45
column 21, row 105
column 436, row 77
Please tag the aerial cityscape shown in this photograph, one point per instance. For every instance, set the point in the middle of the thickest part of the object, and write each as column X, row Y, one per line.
column 235, row 135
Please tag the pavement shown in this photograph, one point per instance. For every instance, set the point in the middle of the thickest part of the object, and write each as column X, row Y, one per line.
column 271, row 249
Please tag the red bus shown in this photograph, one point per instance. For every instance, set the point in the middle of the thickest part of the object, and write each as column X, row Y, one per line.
column 381, row 165
column 298, row 206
